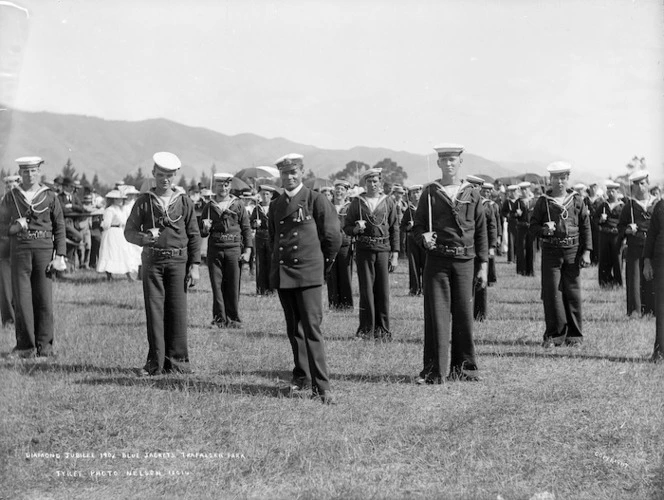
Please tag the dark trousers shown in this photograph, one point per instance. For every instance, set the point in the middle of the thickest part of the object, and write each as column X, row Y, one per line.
column 480, row 296
column 492, row 277
column 658, row 285
column 524, row 250
column 610, row 263
column 374, row 280
column 224, row 267
column 33, row 299
column 339, row 291
column 303, row 309
column 416, row 257
column 561, row 293
column 6, row 303
column 95, row 244
column 263, row 252
column 448, row 316
column 511, row 239
column 164, row 292
column 640, row 293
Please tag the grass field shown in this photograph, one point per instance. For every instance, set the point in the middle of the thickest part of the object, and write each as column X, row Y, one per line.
column 578, row 423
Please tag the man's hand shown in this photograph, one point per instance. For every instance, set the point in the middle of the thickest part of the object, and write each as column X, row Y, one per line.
column 482, row 275
column 193, row 276
column 584, row 261
column 648, row 272
column 394, row 262
column 246, row 256
column 492, row 252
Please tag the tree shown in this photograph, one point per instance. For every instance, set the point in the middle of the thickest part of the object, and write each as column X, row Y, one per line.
column 309, row 175
column 392, row 173
column 206, row 181
column 84, row 180
column 139, row 178
column 352, row 172
column 183, row 182
column 95, row 183
column 69, row 171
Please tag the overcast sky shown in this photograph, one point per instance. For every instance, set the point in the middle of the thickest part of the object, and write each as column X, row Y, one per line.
column 512, row 80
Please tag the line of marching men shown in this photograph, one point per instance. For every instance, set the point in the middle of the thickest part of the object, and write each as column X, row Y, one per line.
column 452, row 231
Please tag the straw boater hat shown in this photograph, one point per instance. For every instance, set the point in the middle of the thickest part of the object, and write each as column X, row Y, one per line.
column 115, row 194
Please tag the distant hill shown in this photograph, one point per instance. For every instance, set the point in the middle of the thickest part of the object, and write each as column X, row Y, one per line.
column 113, row 149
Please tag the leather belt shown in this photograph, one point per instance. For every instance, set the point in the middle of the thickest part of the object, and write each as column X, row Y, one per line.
column 225, row 236
column 371, row 239
column 570, row 241
column 610, row 230
column 453, row 251
column 165, row 252
column 640, row 234
column 34, row 235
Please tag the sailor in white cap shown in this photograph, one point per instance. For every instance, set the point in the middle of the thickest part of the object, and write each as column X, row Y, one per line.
column 225, row 222
column 339, row 290
column 491, row 210
column 524, row 244
column 561, row 219
column 305, row 235
column 32, row 216
column 262, row 247
column 653, row 271
column 609, row 241
column 450, row 225
column 6, row 308
column 372, row 220
column 415, row 253
column 633, row 225
column 163, row 221
column 508, row 211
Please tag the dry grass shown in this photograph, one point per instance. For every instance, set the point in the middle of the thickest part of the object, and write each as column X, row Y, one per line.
column 580, row 423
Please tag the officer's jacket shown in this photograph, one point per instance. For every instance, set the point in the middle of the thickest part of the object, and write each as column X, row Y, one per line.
column 230, row 227
column 44, row 215
column 654, row 245
column 305, row 237
column 458, row 222
column 612, row 214
column 634, row 213
column 382, row 227
column 571, row 217
column 342, row 211
column 177, row 223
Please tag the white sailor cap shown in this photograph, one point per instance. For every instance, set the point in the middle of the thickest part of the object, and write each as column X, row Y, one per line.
column 611, row 184
column 415, row 187
column 474, row 180
column 29, row 161
column 222, row 176
column 559, row 167
column 206, row 192
column 289, row 160
column 166, row 161
column 512, row 187
column 580, row 187
column 12, row 178
column 371, row 173
column 342, row 182
column 449, row 149
column 487, row 185
column 398, row 188
column 524, row 184
column 638, row 176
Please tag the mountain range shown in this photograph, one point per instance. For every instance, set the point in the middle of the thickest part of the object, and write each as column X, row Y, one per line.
column 112, row 149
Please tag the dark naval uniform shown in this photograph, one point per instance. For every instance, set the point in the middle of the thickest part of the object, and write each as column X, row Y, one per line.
column 229, row 235
column 6, row 301
column 610, row 242
column 339, row 290
column 492, row 211
column 640, row 293
column 480, row 299
column 460, row 227
column 165, row 265
column 415, row 253
column 508, row 211
column 524, row 243
column 306, row 237
column 373, row 248
column 654, row 250
column 561, row 280
column 31, row 251
column 262, row 249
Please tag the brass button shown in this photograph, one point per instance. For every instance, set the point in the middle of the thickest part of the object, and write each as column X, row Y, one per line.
column 295, row 247
column 281, row 235
column 281, row 248
column 295, row 233
column 281, row 262
column 294, row 260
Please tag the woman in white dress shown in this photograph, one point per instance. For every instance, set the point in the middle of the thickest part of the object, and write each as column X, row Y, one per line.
column 115, row 253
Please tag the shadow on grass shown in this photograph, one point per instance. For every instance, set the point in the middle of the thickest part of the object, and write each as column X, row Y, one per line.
column 285, row 376
column 103, row 303
column 568, row 354
column 44, row 365
column 187, row 383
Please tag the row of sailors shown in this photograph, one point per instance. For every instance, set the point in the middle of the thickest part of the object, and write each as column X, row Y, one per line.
column 305, row 235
